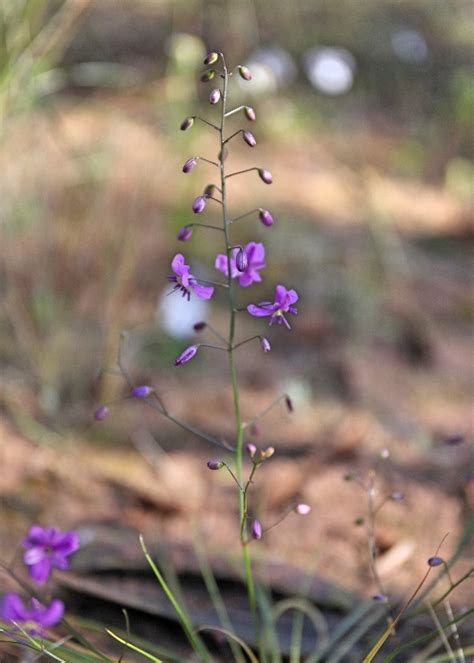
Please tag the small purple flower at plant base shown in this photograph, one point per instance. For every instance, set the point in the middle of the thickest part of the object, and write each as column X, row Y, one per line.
column 215, row 97
column 250, row 113
column 215, row 464
column 302, row 509
column 101, row 412
column 245, row 72
column 257, row 530
column 33, row 619
column 249, row 138
column 211, row 58
column 187, row 123
column 190, row 164
column 185, row 233
column 265, row 175
column 265, row 217
column 251, row 449
column 186, row 355
column 184, row 280
column 48, row 548
column 199, row 204
column 142, row 391
column 283, row 303
column 255, row 254
column 435, row 561
column 265, row 344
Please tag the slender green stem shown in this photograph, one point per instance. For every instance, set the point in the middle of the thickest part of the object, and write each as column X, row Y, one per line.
column 233, row 370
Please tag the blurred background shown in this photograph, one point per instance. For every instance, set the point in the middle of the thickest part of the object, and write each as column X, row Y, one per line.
column 364, row 117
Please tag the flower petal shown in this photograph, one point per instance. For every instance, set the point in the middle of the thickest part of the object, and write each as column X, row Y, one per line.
column 260, row 311
column 13, row 608
column 51, row 615
column 36, row 536
column 34, row 555
column 40, row 571
column 66, row 543
column 202, row 291
column 221, row 263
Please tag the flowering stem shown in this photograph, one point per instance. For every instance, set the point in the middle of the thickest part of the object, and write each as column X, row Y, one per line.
column 235, row 110
column 236, row 133
column 214, row 163
column 247, row 340
column 205, row 225
column 239, row 172
column 214, row 126
column 242, row 216
column 233, row 371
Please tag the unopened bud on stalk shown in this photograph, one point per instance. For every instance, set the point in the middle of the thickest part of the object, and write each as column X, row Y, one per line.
column 249, row 138
column 397, row 496
column 210, row 190
column 265, row 217
column 215, row 96
column 101, row 412
column 211, row 58
column 302, row 509
column 208, row 75
column 186, row 355
column 199, row 204
column 250, row 113
column 185, row 233
column 199, row 326
column 190, row 164
column 223, row 154
column 245, row 72
column 265, row 344
column 265, row 175
column 380, row 597
column 257, row 530
column 251, row 449
column 187, row 123
column 435, row 561
column 267, row 453
column 289, row 404
column 241, row 260
column 142, row 391
column 215, row 464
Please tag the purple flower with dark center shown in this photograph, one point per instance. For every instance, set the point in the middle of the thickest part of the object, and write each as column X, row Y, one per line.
column 284, row 300
column 35, row 618
column 184, row 280
column 255, row 255
column 47, row 548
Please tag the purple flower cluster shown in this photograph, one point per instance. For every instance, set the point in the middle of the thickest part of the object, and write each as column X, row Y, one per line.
column 45, row 549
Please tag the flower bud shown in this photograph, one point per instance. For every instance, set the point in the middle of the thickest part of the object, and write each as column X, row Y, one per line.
column 245, row 72
column 359, row 521
column 302, row 509
column 250, row 113
column 397, row 496
column 215, row 96
column 142, row 391
column 435, row 561
column 268, row 452
column 215, row 464
column 249, row 138
column 257, row 530
column 190, row 164
column 223, row 154
column 265, row 217
column 187, row 123
column 186, row 355
column 101, row 412
column 199, row 204
column 211, row 58
column 185, row 233
column 208, row 75
column 265, row 344
column 380, row 597
column 289, row 403
column 200, row 326
column 265, row 175
column 455, row 438
column 241, row 260
column 251, row 449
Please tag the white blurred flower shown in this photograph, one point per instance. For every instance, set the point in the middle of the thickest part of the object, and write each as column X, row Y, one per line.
column 177, row 315
column 330, row 70
column 409, row 46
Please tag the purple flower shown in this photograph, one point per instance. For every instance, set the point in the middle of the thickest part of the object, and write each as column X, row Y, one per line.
column 215, row 464
column 39, row 616
column 257, row 530
column 184, row 280
column 249, row 138
column 189, row 164
column 215, row 96
column 435, row 561
column 265, row 344
column 101, row 412
column 265, row 217
column 199, row 204
column 255, row 254
column 142, row 391
column 251, row 449
column 265, row 175
column 47, row 548
column 284, row 300
column 185, row 233
column 186, row 355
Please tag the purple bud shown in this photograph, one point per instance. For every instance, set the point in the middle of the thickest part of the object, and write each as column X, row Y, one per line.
column 302, row 509
column 185, row 233
column 241, row 260
column 397, row 496
column 186, row 355
column 250, row 113
column 380, row 597
column 249, row 138
column 245, row 72
column 265, row 175
column 289, row 403
column 265, row 217
column 251, row 449
column 215, row 464
column 143, row 391
column 435, row 561
column 215, row 96
column 211, row 58
column 200, row 326
column 208, row 75
column 199, row 204
column 101, row 412
column 190, row 164
column 257, row 530
column 187, row 123
column 455, row 438
column 265, row 344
